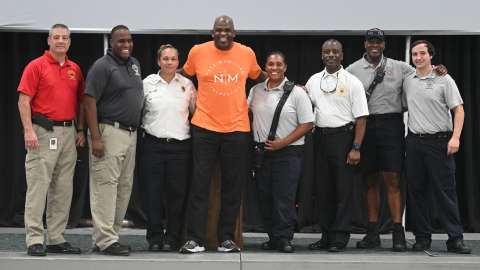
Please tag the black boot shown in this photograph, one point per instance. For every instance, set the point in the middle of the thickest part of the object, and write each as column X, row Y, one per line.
column 398, row 238
column 371, row 239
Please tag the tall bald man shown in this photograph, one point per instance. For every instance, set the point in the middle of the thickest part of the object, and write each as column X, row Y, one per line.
column 220, row 129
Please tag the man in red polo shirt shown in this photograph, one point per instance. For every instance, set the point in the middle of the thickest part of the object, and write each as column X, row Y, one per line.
column 49, row 96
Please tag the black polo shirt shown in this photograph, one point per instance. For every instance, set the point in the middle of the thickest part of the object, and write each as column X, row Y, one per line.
column 117, row 86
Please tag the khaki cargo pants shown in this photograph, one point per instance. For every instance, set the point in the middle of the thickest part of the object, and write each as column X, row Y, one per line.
column 49, row 174
column 111, row 179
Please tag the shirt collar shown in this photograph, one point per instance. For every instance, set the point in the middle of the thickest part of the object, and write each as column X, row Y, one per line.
column 335, row 73
column 117, row 59
column 52, row 60
column 279, row 87
column 367, row 64
column 159, row 78
column 430, row 75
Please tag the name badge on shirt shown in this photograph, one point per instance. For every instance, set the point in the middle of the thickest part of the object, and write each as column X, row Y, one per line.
column 53, row 144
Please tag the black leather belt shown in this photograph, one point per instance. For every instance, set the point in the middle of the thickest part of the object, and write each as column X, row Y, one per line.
column 163, row 140
column 438, row 135
column 118, row 125
column 328, row 131
column 68, row 123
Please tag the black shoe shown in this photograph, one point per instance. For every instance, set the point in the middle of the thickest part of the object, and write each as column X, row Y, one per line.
column 36, row 250
column 64, row 248
column 422, row 244
column 321, row 244
column 269, row 245
column 155, row 247
column 371, row 240
column 285, row 246
column 398, row 238
column 336, row 247
column 117, row 249
column 458, row 246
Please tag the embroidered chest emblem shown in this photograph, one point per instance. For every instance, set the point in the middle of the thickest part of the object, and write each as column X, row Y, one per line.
column 71, row 74
column 136, row 70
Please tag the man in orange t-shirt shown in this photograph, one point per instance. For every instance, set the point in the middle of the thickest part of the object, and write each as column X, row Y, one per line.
column 220, row 127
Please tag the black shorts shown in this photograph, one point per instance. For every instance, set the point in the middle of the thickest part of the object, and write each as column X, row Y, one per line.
column 383, row 147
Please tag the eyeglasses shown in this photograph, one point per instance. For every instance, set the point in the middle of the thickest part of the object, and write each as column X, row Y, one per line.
column 329, row 82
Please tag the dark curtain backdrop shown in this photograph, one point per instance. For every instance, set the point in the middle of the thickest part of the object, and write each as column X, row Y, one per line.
column 303, row 58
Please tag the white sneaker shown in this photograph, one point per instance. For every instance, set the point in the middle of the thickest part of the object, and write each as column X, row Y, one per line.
column 191, row 247
column 228, row 246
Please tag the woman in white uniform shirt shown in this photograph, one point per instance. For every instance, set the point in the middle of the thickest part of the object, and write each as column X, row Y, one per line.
column 169, row 99
column 278, row 177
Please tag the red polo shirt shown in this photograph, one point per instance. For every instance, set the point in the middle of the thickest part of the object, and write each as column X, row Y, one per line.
column 55, row 90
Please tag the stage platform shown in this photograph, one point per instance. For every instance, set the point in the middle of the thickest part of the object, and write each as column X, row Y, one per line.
column 13, row 255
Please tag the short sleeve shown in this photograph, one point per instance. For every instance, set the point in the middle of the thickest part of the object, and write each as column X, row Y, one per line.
column 358, row 98
column 30, row 79
column 189, row 66
column 452, row 94
column 193, row 95
column 250, row 96
column 96, row 81
column 303, row 106
column 255, row 69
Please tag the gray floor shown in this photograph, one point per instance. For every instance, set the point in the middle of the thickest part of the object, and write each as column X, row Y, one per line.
column 13, row 256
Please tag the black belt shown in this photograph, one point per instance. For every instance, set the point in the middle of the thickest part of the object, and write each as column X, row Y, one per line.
column 118, row 125
column 328, row 131
column 68, row 123
column 438, row 135
column 164, row 140
column 385, row 116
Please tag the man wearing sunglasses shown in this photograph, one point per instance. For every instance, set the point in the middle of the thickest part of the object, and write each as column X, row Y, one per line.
column 340, row 117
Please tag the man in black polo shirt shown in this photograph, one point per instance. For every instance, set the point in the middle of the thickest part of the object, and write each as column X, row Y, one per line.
column 113, row 102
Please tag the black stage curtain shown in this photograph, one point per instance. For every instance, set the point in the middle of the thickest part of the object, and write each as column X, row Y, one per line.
column 17, row 49
column 303, row 55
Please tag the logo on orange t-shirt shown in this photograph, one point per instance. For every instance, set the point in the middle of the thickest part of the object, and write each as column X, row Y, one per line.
column 225, row 75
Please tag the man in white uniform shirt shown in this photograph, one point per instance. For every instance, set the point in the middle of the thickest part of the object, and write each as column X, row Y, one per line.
column 340, row 109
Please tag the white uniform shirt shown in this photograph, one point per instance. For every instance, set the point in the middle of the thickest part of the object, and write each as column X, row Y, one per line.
column 167, row 106
column 263, row 103
column 341, row 106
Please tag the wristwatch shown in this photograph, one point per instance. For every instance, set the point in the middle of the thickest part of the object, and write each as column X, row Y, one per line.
column 356, row 146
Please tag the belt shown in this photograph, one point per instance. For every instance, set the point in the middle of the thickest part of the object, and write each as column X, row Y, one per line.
column 164, row 140
column 328, row 131
column 118, row 125
column 426, row 136
column 68, row 123
column 385, row 116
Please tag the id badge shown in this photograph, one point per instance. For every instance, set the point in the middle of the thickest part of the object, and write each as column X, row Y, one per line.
column 53, row 144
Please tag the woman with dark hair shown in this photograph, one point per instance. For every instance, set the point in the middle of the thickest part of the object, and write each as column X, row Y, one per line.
column 277, row 177
column 169, row 100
